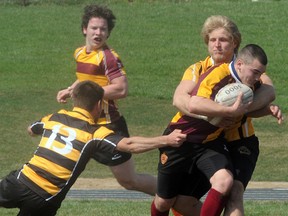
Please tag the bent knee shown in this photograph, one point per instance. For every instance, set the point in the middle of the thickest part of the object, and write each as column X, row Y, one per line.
column 128, row 184
column 163, row 204
column 222, row 181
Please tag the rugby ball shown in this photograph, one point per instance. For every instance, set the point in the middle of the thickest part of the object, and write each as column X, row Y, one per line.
column 229, row 93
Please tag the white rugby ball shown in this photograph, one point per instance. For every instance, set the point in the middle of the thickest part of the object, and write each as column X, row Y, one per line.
column 229, row 93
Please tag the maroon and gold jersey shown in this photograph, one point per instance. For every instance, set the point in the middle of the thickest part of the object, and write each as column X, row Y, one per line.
column 240, row 130
column 69, row 140
column 209, row 83
column 194, row 71
column 100, row 66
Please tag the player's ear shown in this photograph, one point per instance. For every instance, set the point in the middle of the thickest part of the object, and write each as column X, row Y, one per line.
column 97, row 110
column 84, row 31
column 238, row 65
column 99, row 104
column 99, row 107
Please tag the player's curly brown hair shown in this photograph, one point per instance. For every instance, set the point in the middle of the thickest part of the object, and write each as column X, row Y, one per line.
column 94, row 10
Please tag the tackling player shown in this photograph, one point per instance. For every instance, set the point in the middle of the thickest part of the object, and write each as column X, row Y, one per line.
column 69, row 140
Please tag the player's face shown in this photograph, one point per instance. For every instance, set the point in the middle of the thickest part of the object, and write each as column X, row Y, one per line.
column 96, row 33
column 250, row 73
column 221, row 46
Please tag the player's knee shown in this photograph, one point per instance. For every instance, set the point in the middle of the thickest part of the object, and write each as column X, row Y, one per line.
column 163, row 204
column 128, row 183
column 222, row 181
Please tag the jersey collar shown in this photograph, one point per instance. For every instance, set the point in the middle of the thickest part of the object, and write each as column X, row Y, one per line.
column 83, row 112
column 213, row 62
column 234, row 72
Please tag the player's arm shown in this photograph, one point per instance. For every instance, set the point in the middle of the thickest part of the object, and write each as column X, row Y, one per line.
column 182, row 96
column 207, row 107
column 138, row 144
column 182, row 92
column 118, row 88
column 264, row 95
column 35, row 129
column 63, row 94
column 271, row 109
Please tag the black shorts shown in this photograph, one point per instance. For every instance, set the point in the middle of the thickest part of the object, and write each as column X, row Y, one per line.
column 116, row 157
column 195, row 185
column 14, row 194
column 178, row 167
column 244, row 154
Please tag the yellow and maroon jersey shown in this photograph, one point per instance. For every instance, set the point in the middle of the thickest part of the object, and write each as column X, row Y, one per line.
column 195, row 70
column 69, row 140
column 100, row 66
column 208, row 85
column 240, row 130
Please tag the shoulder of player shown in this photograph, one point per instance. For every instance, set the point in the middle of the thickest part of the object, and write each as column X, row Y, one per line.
column 219, row 69
column 78, row 51
column 215, row 74
column 102, row 132
column 108, row 51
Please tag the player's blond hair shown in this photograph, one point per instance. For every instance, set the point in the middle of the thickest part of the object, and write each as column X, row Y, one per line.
column 219, row 21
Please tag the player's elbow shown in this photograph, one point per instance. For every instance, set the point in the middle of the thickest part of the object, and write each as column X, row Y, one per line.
column 124, row 93
column 192, row 106
column 176, row 102
column 272, row 95
column 30, row 132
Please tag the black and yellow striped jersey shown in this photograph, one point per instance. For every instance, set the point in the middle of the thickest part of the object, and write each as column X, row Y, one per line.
column 69, row 139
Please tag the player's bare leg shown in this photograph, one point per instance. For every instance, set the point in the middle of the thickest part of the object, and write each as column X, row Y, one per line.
column 187, row 205
column 235, row 206
column 221, row 184
column 130, row 180
column 161, row 206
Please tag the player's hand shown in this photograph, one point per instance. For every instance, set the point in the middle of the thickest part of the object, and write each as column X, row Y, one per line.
column 176, row 138
column 63, row 95
column 276, row 112
column 238, row 108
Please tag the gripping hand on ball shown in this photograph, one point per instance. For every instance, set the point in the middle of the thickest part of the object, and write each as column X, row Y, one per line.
column 238, row 108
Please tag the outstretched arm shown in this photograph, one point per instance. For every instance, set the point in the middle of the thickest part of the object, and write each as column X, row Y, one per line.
column 142, row 144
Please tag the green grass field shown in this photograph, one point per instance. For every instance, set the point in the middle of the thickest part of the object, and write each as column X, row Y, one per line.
column 157, row 41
